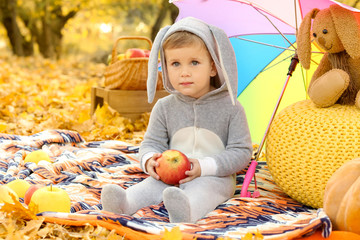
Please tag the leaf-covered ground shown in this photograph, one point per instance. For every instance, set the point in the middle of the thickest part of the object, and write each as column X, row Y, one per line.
column 38, row 94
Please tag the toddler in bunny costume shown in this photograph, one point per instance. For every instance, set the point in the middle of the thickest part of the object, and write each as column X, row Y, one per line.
column 201, row 118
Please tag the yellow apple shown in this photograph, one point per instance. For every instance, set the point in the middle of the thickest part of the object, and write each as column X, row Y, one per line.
column 37, row 156
column 51, row 199
column 19, row 186
column 5, row 194
column 121, row 56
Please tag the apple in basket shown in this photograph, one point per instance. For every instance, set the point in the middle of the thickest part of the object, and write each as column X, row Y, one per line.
column 172, row 166
column 134, row 53
column 51, row 199
column 147, row 53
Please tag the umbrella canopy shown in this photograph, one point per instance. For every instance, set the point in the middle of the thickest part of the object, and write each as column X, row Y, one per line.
column 263, row 35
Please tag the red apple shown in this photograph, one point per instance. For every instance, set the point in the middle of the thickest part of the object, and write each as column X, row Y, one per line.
column 30, row 192
column 147, row 53
column 134, row 53
column 172, row 166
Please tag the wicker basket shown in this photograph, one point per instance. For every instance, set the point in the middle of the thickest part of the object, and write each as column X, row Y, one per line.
column 130, row 73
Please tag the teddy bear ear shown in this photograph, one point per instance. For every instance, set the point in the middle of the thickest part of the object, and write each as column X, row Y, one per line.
column 347, row 28
column 303, row 39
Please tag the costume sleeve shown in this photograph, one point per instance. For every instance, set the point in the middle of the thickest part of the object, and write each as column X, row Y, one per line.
column 156, row 136
column 238, row 151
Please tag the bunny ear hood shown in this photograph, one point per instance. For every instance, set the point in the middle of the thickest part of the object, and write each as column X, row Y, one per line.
column 217, row 43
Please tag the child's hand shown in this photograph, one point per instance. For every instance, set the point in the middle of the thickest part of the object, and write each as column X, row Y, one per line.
column 193, row 173
column 151, row 164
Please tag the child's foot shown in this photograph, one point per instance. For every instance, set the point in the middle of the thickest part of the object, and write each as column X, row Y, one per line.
column 177, row 205
column 113, row 198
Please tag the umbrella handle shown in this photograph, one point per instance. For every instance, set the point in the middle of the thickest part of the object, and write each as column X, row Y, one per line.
column 250, row 173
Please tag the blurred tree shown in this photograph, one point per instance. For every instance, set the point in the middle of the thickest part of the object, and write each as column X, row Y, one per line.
column 20, row 46
column 43, row 22
column 352, row 3
column 164, row 8
column 40, row 23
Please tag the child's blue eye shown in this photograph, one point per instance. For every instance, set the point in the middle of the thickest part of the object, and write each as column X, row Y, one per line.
column 175, row 64
column 194, row 63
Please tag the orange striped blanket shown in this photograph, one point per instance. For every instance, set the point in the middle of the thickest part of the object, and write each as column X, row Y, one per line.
column 82, row 168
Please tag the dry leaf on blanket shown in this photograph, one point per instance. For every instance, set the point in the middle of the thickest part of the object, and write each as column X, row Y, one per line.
column 253, row 236
column 173, row 234
column 16, row 210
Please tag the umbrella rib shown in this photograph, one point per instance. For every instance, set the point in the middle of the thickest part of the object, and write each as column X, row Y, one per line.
column 274, row 27
column 266, row 44
column 296, row 23
column 271, row 45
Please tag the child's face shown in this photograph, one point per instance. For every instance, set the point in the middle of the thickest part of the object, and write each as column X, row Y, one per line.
column 189, row 69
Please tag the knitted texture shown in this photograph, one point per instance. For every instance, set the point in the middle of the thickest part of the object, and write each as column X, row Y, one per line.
column 307, row 144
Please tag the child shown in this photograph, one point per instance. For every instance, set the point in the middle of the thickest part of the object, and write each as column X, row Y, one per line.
column 201, row 118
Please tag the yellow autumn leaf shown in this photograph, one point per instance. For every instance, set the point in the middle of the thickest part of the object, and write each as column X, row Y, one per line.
column 248, row 236
column 103, row 114
column 173, row 234
column 3, row 127
column 253, row 236
column 258, row 235
column 225, row 238
column 17, row 210
column 84, row 115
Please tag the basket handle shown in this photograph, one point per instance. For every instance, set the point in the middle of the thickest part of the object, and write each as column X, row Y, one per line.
column 114, row 51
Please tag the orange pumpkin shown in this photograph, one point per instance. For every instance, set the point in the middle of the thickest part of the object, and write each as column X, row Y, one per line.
column 342, row 197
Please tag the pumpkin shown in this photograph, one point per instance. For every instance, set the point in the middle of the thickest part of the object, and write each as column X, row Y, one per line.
column 342, row 197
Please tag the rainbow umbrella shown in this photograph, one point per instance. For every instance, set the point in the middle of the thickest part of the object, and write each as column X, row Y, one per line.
column 263, row 34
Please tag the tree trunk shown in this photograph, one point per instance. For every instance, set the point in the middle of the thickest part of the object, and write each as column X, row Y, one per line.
column 20, row 46
column 45, row 31
column 50, row 43
column 355, row 3
column 45, row 42
column 165, row 7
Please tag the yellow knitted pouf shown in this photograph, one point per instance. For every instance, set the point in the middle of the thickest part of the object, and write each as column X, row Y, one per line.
column 307, row 144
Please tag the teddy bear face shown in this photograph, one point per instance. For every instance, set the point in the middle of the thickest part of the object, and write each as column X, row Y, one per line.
column 325, row 33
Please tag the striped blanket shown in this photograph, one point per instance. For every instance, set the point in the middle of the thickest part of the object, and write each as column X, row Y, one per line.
column 83, row 168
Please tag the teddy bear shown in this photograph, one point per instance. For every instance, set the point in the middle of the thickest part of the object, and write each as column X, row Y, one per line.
column 336, row 30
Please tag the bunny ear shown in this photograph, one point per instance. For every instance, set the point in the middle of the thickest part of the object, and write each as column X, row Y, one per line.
column 347, row 28
column 153, row 64
column 227, row 61
column 303, row 39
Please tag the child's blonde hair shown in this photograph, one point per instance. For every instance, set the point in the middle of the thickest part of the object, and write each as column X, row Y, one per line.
column 183, row 38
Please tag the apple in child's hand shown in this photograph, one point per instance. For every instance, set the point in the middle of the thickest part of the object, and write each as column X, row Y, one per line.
column 51, row 199
column 30, row 192
column 172, row 166
column 134, row 53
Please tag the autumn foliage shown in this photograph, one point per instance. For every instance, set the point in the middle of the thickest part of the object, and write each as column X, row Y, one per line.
column 39, row 94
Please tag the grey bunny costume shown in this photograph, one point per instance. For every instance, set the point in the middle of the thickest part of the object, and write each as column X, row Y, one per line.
column 212, row 129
